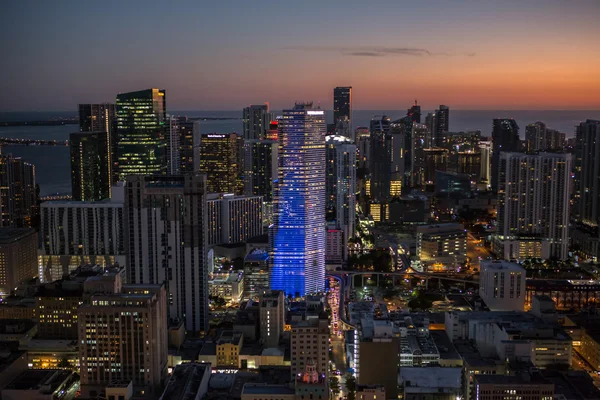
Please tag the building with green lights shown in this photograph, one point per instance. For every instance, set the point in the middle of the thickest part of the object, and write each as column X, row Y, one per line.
column 142, row 133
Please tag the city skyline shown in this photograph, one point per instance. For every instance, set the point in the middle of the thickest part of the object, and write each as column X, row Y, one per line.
column 473, row 56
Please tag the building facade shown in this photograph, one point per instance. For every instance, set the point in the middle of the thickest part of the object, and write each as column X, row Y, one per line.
column 505, row 138
column 310, row 341
column 272, row 317
column 233, row 219
column 260, row 167
column 444, row 244
column 142, row 133
column 342, row 104
column 256, row 121
column 166, row 241
column 502, row 285
column 91, row 169
column 18, row 194
column 18, row 257
column 102, row 118
column 341, row 182
column 299, row 226
column 219, row 162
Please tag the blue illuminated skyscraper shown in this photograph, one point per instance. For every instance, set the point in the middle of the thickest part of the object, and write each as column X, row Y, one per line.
column 299, row 223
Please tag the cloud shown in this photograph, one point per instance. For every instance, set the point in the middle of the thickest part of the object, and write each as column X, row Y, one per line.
column 374, row 51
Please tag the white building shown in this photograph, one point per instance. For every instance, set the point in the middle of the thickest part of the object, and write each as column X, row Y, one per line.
column 533, row 203
column 485, row 149
column 81, row 232
column 165, row 236
column 228, row 286
column 341, row 182
column 233, row 219
column 442, row 244
column 502, row 285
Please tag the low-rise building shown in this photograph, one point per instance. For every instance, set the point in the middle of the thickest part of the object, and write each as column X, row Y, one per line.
column 13, row 362
column 52, row 354
column 48, row 384
column 370, row 392
column 432, row 383
column 189, row 381
column 444, row 244
column 502, row 285
column 229, row 286
column 228, row 349
column 493, row 387
column 19, row 330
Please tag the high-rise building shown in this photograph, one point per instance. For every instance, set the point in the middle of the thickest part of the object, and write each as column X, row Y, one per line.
column 341, row 182
column 414, row 113
column 91, row 171
column 502, row 285
column 256, row 120
column 380, row 162
column 310, row 341
column 260, row 167
column 189, row 145
column 533, row 205
column 272, row 317
column 142, row 131
column 166, row 241
column 18, row 257
column 173, row 158
column 123, row 337
column 102, row 118
column 18, row 193
column 299, row 226
column 586, row 196
column 342, row 104
column 233, row 219
column 485, row 173
column 418, row 145
column 442, row 122
column 505, row 137
column 75, row 233
column 401, row 153
column 436, row 159
column 219, row 161
column 535, row 136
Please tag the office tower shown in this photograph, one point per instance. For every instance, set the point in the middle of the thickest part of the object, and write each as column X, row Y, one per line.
column 189, row 145
column 586, row 196
column 363, row 143
column 91, row 172
column 18, row 257
column 442, row 243
column 442, row 122
column 343, row 128
column 436, row 159
column 341, row 182
column 232, row 219
column 260, row 167
column 469, row 163
column 485, row 173
column 535, row 136
column 310, row 341
column 417, row 161
column 505, row 137
column 75, row 233
column 165, row 238
column 273, row 131
column 142, row 131
column 56, row 307
column 123, row 338
column 533, row 205
column 219, row 161
column 272, row 317
column 256, row 120
column 18, row 193
column 381, row 156
column 102, row 118
column 502, row 285
column 401, row 153
column 414, row 113
column 299, row 226
column 173, row 158
column 342, row 104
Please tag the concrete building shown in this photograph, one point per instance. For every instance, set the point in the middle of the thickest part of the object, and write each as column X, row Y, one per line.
column 48, row 384
column 502, row 285
column 485, row 174
column 261, row 159
column 233, row 219
column 219, row 161
column 256, row 120
column 56, row 306
column 432, row 383
column 123, row 336
column 256, row 274
column 444, row 244
column 18, row 261
column 533, row 203
column 310, row 341
column 336, row 251
column 229, row 286
column 228, row 349
column 341, row 182
column 189, row 381
column 272, row 317
column 91, row 166
column 370, row 392
column 505, row 138
column 74, row 233
column 435, row 159
column 493, row 387
column 166, row 239
column 263, row 391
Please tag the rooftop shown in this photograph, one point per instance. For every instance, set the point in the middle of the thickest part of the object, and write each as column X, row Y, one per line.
column 10, row 235
column 512, row 379
column 261, row 388
column 34, row 379
column 186, row 380
column 431, row 377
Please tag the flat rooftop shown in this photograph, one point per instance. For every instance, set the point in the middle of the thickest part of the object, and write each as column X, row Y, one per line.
column 34, row 379
column 10, row 235
column 261, row 388
column 186, row 380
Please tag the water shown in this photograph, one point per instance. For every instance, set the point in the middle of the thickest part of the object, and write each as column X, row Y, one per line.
column 53, row 163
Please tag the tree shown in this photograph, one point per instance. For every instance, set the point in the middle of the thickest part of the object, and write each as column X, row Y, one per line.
column 64, row 364
column 351, row 386
column 334, row 385
column 218, row 301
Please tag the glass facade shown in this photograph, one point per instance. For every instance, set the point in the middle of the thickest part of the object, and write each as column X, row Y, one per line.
column 299, row 226
column 219, row 161
column 90, row 166
column 142, row 133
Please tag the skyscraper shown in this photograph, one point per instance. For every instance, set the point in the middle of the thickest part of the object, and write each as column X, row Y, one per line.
column 381, row 155
column 102, row 118
column 342, row 104
column 442, row 122
column 401, row 150
column 535, row 135
column 173, row 157
column 142, row 132
column 256, row 119
column 189, row 145
column 219, row 161
column 299, row 226
column 165, row 238
column 436, row 159
column 90, row 166
column 260, row 167
column 419, row 144
column 586, row 198
column 414, row 113
column 18, row 193
column 341, row 183
column 505, row 137
column 485, row 174
column 533, row 205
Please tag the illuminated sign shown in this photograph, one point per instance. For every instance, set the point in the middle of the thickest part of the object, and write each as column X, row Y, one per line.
column 315, row 112
column 215, row 136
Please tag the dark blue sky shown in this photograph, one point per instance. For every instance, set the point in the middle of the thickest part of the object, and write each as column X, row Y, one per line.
column 227, row 54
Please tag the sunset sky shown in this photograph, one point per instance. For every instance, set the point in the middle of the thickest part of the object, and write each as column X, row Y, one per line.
column 224, row 55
